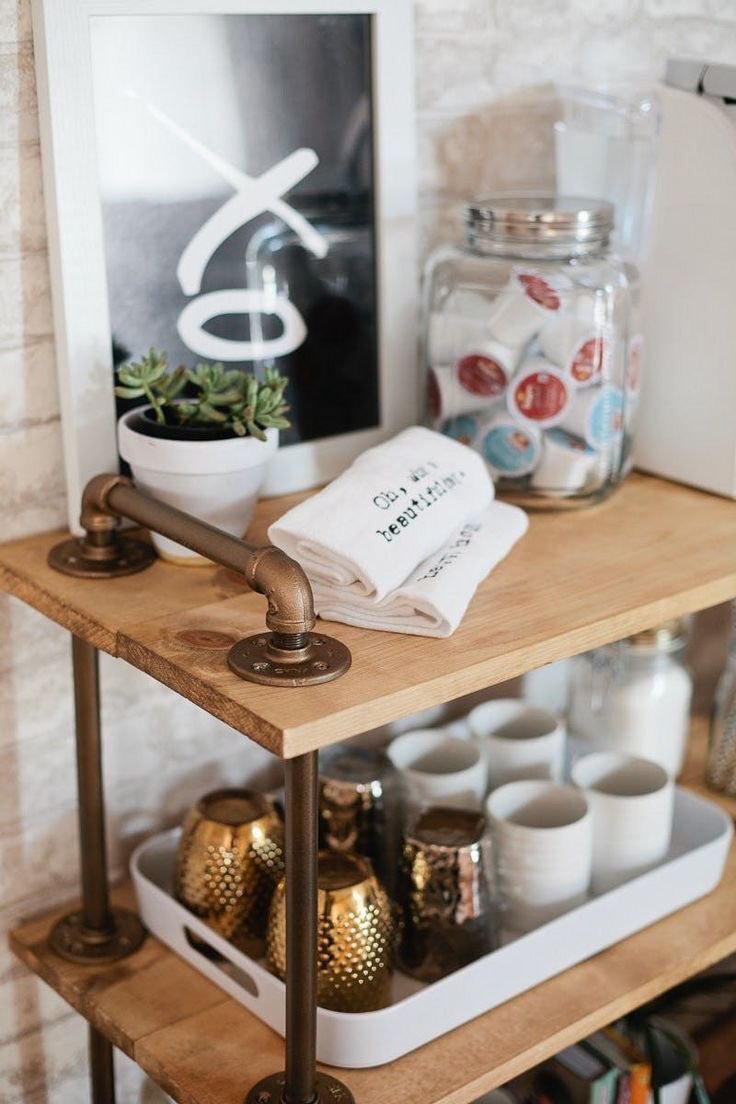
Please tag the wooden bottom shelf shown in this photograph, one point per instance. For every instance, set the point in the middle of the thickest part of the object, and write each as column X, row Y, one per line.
column 204, row 1048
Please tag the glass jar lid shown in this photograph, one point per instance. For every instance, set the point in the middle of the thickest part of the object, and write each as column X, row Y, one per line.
column 538, row 225
column 667, row 637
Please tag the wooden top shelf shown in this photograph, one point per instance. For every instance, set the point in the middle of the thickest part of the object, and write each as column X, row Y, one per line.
column 204, row 1048
column 577, row 580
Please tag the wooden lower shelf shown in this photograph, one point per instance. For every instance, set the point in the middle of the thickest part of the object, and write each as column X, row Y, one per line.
column 204, row 1048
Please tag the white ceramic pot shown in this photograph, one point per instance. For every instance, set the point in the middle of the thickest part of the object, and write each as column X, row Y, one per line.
column 216, row 481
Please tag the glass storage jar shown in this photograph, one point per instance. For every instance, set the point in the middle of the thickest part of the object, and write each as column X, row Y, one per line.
column 634, row 696
column 532, row 346
column 721, row 772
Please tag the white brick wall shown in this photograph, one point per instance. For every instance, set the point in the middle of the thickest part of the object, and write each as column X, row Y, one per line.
column 159, row 750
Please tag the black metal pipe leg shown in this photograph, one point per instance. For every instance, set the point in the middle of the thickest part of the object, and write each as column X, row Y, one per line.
column 96, row 933
column 301, row 1083
column 101, row 1068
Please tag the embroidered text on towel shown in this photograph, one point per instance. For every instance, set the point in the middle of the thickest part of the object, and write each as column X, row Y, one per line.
column 455, row 550
column 420, row 501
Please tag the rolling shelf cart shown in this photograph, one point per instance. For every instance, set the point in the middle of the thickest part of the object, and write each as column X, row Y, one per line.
column 577, row 580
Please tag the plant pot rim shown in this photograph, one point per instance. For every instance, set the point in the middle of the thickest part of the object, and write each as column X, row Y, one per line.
column 175, row 456
column 140, row 421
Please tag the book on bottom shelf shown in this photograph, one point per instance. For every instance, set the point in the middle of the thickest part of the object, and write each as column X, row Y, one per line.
column 634, row 1070
column 576, row 1075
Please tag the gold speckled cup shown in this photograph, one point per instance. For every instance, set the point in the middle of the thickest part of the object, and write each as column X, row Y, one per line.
column 355, row 943
column 230, row 859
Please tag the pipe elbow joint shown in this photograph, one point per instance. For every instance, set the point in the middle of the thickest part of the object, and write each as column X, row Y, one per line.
column 96, row 514
column 286, row 588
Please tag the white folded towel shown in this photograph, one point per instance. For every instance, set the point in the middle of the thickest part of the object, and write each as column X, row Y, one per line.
column 433, row 600
column 395, row 505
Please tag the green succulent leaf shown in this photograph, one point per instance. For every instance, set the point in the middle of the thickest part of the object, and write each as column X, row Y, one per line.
column 251, row 391
column 174, row 383
column 255, row 431
column 129, row 392
column 273, row 421
column 207, row 413
column 224, row 398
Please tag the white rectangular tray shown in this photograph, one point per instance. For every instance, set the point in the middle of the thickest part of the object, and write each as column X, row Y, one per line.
column 419, row 1013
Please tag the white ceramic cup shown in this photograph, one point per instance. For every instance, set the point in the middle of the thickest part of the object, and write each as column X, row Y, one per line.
column 518, row 740
column 631, row 801
column 542, row 839
column 439, row 768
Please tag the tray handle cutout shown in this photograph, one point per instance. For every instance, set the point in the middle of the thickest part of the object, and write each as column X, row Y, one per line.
column 235, row 973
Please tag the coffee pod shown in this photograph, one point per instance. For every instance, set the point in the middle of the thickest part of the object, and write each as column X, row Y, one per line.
column 449, row 332
column 597, row 416
column 355, row 935
column 483, row 373
column 229, row 860
column 539, row 394
column 509, row 449
column 468, row 303
column 576, row 347
column 464, row 428
column 566, row 464
column 481, row 387
column 475, row 381
column 521, row 309
column 361, row 799
column 447, row 902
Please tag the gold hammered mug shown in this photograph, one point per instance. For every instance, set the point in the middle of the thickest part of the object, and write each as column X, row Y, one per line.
column 229, row 861
column 355, row 940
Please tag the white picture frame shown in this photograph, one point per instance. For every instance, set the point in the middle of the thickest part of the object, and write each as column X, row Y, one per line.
column 76, row 243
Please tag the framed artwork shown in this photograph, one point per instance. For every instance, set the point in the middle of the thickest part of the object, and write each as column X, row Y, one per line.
column 234, row 181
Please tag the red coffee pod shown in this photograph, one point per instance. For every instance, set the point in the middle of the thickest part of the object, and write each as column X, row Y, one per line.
column 539, row 290
column 587, row 361
column 482, row 375
column 539, row 394
column 447, row 397
column 527, row 302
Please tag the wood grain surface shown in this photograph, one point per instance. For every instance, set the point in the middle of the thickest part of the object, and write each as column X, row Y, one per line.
column 577, row 580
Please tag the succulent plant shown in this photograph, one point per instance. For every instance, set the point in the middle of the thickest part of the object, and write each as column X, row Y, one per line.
column 230, row 399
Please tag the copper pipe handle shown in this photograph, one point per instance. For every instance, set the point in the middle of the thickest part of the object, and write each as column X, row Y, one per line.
column 268, row 570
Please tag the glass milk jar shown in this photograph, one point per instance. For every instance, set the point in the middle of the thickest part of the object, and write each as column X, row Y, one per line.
column 532, row 347
column 634, row 696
